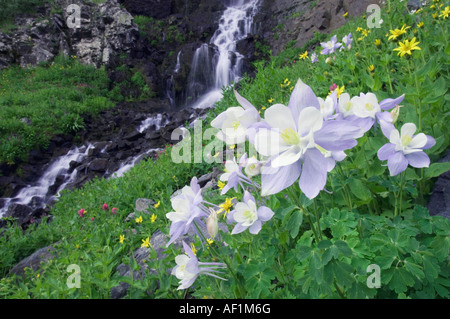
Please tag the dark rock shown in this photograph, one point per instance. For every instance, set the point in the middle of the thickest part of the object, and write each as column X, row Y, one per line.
column 34, row 261
column 98, row 165
column 439, row 201
column 151, row 8
column 22, row 213
column 133, row 136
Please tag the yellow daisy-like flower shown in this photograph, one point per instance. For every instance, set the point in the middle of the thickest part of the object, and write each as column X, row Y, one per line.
column 365, row 32
column 371, row 68
column 270, row 100
column 377, row 42
column 345, row 14
column 209, row 241
column 398, row 32
column 359, row 29
column 339, row 90
column 304, row 55
column 407, row 46
column 153, row 218
column 444, row 13
column 139, row 220
column 420, row 24
column 221, row 185
column 434, row 15
column 145, row 242
column 121, row 239
column 226, row 207
column 157, row 204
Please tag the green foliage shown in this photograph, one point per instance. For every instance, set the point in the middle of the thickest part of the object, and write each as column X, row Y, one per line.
column 40, row 102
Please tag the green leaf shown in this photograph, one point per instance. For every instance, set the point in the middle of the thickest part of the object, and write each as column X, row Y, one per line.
column 400, row 279
column 343, row 272
column 324, row 244
column 437, row 169
column 414, row 269
column 440, row 246
column 343, row 248
column 359, row 189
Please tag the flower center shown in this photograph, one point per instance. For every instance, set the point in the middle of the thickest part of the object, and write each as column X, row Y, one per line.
column 250, row 216
column 406, row 140
column 236, row 125
column 369, row 106
column 290, row 137
column 348, row 106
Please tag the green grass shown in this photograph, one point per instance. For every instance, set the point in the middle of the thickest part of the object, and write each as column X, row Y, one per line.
column 54, row 97
column 367, row 231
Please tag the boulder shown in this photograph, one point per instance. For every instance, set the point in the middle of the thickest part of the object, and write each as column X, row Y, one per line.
column 34, row 261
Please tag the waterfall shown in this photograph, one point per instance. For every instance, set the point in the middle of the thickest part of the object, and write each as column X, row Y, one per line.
column 41, row 190
column 218, row 64
column 170, row 84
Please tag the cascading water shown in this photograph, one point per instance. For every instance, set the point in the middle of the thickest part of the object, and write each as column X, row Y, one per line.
column 218, row 64
column 170, row 87
column 40, row 191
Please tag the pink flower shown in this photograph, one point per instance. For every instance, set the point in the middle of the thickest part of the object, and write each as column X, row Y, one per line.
column 81, row 212
column 105, row 206
column 114, row 210
column 92, row 218
column 333, row 87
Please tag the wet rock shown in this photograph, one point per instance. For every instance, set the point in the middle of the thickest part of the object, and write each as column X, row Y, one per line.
column 439, row 202
column 22, row 213
column 99, row 165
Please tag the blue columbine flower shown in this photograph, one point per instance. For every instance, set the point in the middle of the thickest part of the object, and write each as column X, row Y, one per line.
column 405, row 149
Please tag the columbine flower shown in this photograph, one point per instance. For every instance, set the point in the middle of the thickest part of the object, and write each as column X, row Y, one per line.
column 253, row 167
column 188, row 209
column 105, row 206
column 330, row 46
column 304, row 55
column 407, row 46
column 291, row 139
column 234, row 122
column 145, row 242
column 188, row 268
column 233, row 176
column 314, row 57
column 405, row 149
column 347, row 40
column 366, row 106
column 247, row 215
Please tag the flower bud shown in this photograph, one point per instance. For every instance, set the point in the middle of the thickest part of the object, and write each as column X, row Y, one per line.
column 105, row 206
column 253, row 167
column 395, row 113
column 212, row 224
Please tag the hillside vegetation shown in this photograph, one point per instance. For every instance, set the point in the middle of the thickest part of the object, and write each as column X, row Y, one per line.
column 368, row 212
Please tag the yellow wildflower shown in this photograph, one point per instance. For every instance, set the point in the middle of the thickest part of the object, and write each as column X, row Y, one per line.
column 377, row 42
column 407, row 46
column 397, row 32
column 270, row 100
column 146, row 242
column 444, row 13
column 157, row 204
column 121, row 239
column 420, row 24
column 221, row 185
column 138, row 220
column 209, row 241
column 303, row 56
column 153, row 218
column 345, row 14
column 226, row 207
column 371, row 68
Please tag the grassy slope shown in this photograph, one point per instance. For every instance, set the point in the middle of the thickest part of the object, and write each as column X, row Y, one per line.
column 96, row 243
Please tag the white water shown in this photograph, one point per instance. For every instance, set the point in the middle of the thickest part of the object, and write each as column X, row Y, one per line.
column 157, row 121
column 225, row 66
column 59, row 167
